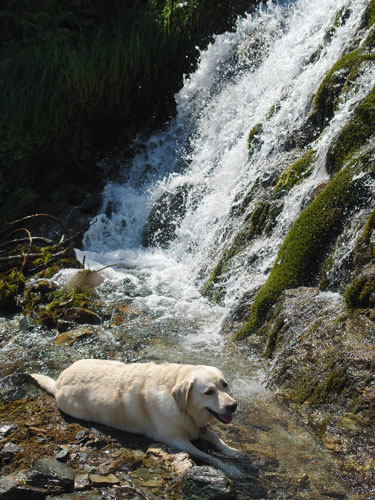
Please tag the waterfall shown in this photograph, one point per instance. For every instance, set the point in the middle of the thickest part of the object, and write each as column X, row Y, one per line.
column 264, row 74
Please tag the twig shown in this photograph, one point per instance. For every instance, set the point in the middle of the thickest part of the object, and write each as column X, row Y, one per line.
column 28, row 217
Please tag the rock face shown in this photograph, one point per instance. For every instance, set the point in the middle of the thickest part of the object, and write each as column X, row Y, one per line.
column 165, row 217
column 322, row 363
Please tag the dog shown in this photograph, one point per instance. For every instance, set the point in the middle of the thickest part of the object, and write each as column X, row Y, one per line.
column 170, row 403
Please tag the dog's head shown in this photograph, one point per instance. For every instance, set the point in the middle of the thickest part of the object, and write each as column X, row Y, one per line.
column 205, row 390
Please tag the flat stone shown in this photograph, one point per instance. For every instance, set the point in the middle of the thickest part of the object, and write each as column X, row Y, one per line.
column 82, row 316
column 12, row 489
column 99, row 480
column 206, row 483
column 81, row 481
column 51, row 474
column 63, row 455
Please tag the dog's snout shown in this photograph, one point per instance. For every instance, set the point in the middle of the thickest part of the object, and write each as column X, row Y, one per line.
column 231, row 408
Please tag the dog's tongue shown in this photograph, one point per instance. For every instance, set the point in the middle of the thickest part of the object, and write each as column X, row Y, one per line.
column 227, row 418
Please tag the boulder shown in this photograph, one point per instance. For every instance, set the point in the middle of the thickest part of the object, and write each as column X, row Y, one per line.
column 13, row 489
column 165, row 217
column 206, row 483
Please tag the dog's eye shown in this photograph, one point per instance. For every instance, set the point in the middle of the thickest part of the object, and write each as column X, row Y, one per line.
column 209, row 392
column 225, row 384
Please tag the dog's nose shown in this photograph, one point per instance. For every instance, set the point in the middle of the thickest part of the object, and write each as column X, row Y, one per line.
column 231, row 408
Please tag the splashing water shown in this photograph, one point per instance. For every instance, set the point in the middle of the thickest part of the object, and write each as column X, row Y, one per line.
column 266, row 72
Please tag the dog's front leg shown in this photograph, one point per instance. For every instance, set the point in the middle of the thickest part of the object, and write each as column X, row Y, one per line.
column 185, row 445
column 213, row 438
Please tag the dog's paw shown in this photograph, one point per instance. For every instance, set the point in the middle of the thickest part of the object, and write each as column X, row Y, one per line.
column 232, row 452
column 232, row 472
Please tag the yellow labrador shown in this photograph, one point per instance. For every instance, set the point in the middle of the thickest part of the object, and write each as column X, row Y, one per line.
column 171, row 403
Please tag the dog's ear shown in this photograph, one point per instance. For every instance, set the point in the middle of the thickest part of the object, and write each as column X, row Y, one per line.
column 180, row 393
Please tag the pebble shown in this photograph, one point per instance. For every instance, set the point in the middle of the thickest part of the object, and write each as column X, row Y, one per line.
column 9, row 451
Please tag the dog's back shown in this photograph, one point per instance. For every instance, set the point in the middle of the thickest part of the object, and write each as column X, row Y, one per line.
column 134, row 397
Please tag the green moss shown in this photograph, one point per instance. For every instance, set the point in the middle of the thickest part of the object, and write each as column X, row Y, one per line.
column 11, row 285
column 369, row 227
column 337, row 80
column 295, row 173
column 61, row 300
column 301, row 255
column 253, row 137
column 368, row 18
column 355, row 134
column 261, row 218
column 360, row 293
column 315, row 391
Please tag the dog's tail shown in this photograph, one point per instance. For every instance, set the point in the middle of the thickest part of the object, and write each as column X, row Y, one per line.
column 45, row 382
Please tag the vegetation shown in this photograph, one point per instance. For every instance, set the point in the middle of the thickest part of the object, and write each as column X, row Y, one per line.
column 343, row 74
column 302, row 253
column 355, row 134
column 74, row 73
column 295, row 173
column 260, row 221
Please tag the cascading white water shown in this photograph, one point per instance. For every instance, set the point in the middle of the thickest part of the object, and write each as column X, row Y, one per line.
column 277, row 57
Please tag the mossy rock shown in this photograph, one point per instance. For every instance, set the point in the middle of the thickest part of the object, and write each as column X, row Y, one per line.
column 296, row 173
column 253, row 140
column 355, row 134
column 317, row 390
column 59, row 302
column 364, row 249
column 261, row 220
column 49, row 263
column 299, row 260
column 338, row 80
column 368, row 18
column 361, row 291
column 11, row 286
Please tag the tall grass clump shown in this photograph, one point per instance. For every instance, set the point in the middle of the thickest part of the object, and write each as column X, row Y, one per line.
column 86, row 65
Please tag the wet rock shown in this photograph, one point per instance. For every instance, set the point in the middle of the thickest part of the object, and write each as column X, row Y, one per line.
column 81, row 495
column 74, row 335
column 100, row 480
column 9, row 451
column 165, row 217
column 51, row 474
column 63, row 455
column 6, row 429
column 206, row 483
column 82, row 316
column 81, row 481
column 92, row 203
column 13, row 489
column 18, row 386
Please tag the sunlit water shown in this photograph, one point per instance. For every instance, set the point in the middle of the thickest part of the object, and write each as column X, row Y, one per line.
column 205, row 147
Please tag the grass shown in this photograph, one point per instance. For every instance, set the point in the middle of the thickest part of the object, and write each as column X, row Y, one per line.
column 83, row 67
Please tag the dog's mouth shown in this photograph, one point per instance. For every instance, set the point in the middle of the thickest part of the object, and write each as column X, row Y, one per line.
column 224, row 418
